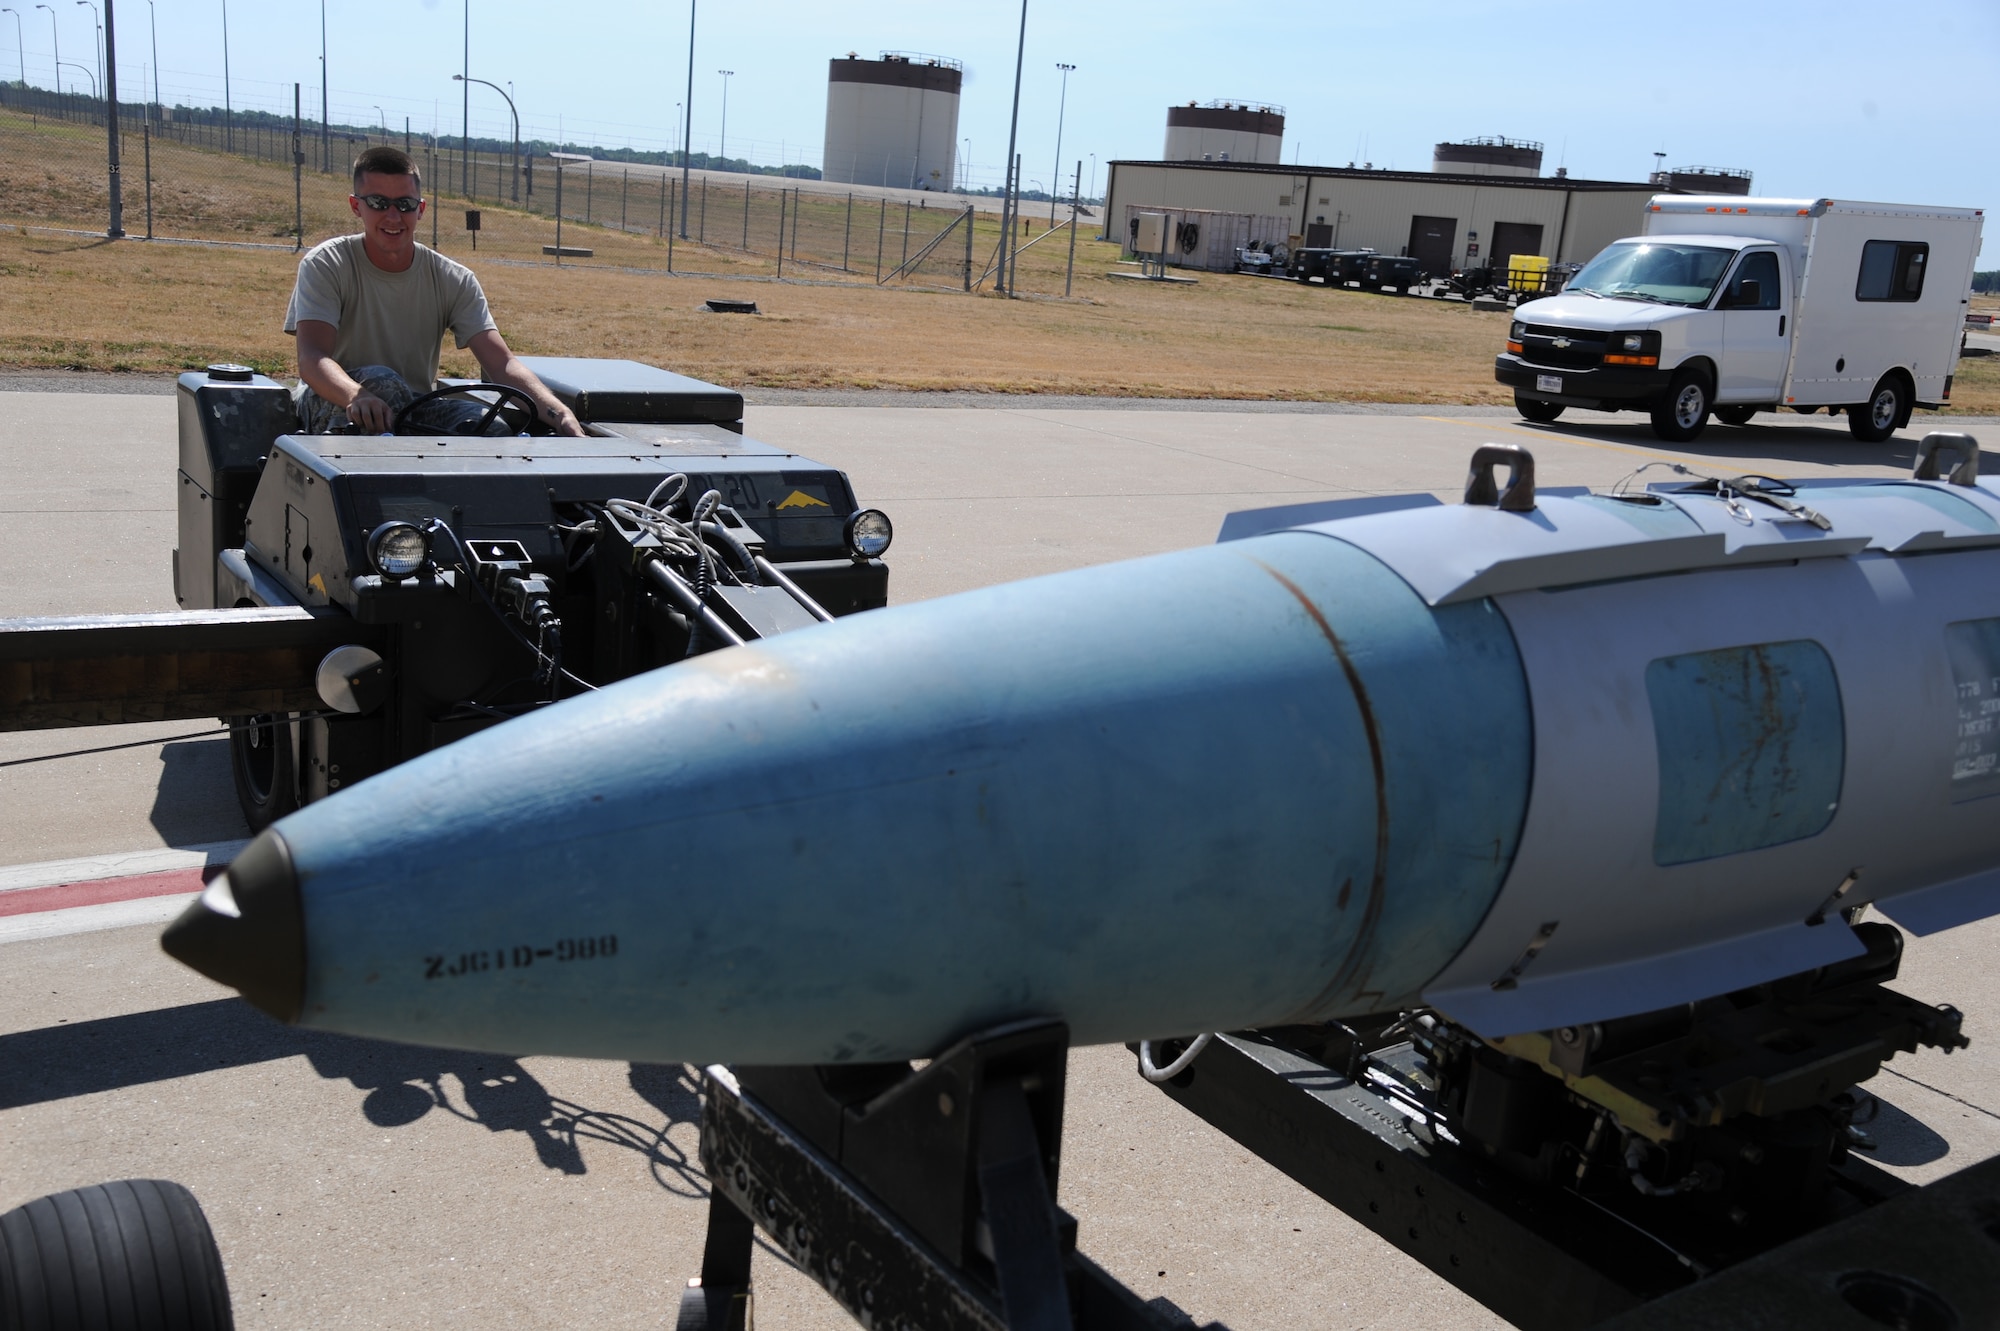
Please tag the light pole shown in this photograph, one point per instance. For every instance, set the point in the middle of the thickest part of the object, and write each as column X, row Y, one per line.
column 97, row 45
column 965, row 176
column 57, row 40
column 83, row 70
column 153, row 21
column 97, row 28
column 114, row 224
column 517, row 127
column 722, row 146
column 687, row 125
column 228, row 115
column 382, row 119
column 20, row 44
column 1006, row 284
column 325, row 116
column 465, row 133
column 1061, row 107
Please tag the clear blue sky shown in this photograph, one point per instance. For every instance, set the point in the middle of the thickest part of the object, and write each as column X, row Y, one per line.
column 1847, row 98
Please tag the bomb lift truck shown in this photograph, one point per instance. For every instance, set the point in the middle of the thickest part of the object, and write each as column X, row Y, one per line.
column 352, row 601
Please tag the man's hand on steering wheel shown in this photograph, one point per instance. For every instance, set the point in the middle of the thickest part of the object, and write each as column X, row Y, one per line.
column 369, row 414
column 496, row 398
column 561, row 419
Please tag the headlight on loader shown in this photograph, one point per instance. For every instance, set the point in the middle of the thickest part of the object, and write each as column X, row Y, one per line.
column 398, row 549
column 869, row 533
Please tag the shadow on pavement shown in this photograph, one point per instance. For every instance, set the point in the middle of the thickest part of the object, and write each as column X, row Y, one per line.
column 402, row 1082
column 1899, row 1139
column 194, row 801
column 1825, row 445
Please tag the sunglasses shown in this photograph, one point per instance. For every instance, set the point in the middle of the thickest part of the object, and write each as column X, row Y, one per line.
column 381, row 203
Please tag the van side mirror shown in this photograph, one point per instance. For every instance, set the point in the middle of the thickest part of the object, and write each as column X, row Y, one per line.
column 1749, row 294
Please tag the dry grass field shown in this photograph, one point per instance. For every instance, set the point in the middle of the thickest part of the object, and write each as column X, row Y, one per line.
column 73, row 301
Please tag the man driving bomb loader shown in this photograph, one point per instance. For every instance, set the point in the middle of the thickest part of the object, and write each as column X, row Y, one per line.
column 369, row 311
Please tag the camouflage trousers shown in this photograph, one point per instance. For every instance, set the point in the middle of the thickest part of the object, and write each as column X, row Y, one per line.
column 450, row 415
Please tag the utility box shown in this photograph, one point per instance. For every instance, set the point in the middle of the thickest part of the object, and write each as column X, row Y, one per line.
column 1151, row 237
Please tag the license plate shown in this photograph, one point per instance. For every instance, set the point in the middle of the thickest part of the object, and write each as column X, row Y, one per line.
column 1548, row 383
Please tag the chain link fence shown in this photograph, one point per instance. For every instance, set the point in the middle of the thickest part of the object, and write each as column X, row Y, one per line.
column 255, row 178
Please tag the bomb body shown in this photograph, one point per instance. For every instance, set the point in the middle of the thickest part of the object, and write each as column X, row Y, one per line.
column 1529, row 767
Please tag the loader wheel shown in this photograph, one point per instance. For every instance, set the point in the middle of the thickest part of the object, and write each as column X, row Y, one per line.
column 1536, row 410
column 1876, row 419
column 1735, row 415
column 1683, row 413
column 265, row 769
column 135, row 1255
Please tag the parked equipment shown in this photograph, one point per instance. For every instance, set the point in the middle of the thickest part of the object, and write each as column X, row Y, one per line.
column 1335, row 268
column 1264, row 260
column 1395, row 272
column 1732, row 306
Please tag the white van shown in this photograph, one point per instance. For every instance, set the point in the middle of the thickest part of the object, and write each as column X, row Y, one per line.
column 1738, row 305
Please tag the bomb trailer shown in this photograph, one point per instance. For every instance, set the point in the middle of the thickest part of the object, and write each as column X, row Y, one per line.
column 353, row 601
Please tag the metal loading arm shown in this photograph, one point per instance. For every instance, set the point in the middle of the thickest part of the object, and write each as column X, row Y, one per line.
column 96, row 670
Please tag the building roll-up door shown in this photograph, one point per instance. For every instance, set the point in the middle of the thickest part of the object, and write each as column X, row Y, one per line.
column 1512, row 238
column 1432, row 242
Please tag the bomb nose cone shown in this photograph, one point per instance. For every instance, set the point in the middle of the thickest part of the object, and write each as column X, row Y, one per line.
column 246, row 930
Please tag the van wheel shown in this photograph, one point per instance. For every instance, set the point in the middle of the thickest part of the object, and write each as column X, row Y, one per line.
column 264, row 768
column 1877, row 418
column 135, row 1255
column 1683, row 413
column 1536, row 410
column 1735, row 415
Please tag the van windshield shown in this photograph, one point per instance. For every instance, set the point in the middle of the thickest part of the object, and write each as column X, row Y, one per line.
column 1648, row 270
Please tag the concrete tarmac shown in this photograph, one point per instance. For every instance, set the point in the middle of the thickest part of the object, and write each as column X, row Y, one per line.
column 360, row 1184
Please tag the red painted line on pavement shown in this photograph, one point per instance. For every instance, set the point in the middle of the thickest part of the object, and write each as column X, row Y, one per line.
column 98, row 891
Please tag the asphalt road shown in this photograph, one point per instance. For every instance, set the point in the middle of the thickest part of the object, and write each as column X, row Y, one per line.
column 357, row 1184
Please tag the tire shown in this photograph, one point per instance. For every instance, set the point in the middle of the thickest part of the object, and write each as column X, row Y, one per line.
column 135, row 1255
column 1876, row 419
column 1735, row 415
column 1536, row 410
column 265, row 769
column 1683, row 413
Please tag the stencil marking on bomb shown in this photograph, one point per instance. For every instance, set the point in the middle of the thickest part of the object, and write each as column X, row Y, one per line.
column 520, row 957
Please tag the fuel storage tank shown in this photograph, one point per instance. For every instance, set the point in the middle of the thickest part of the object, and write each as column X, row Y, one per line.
column 1492, row 155
column 1225, row 132
column 893, row 121
column 1703, row 180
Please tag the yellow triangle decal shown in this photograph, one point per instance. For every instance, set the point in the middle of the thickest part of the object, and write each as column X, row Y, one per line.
column 800, row 499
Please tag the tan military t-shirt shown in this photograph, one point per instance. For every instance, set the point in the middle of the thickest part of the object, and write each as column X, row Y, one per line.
column 392, row 319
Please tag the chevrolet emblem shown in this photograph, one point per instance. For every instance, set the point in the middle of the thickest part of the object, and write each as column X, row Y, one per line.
column 1560, row 344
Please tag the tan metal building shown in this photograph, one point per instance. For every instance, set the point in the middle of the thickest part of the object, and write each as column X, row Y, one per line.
column 1447, row 221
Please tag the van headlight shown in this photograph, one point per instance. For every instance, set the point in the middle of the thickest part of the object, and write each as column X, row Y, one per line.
column 1640, row 349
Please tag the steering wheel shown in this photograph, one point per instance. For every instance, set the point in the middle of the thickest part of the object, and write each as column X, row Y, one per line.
column 506, row 394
